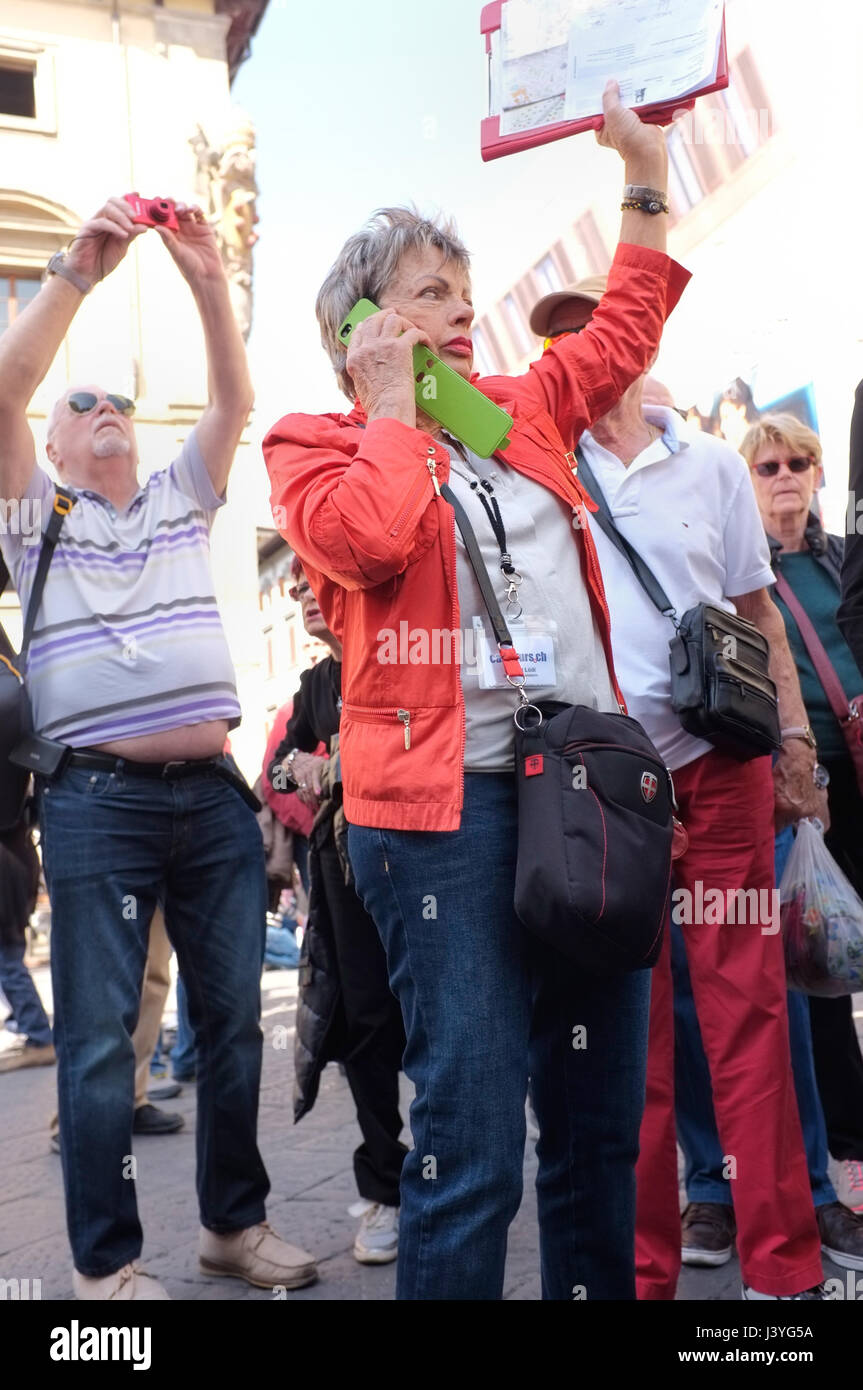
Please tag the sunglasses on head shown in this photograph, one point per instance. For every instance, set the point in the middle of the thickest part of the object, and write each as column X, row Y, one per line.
column 772, row 466
column 82, row 402
column 562, row 333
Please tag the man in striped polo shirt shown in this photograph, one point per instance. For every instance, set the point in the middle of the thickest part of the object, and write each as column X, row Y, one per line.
column 129, row 669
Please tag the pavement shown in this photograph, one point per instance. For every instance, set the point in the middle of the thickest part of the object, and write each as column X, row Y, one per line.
column 310, row 1171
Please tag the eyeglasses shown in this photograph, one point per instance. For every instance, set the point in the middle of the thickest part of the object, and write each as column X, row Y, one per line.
column 554, row 336
column 771, row 467
column 82, row 402
column 298, row 592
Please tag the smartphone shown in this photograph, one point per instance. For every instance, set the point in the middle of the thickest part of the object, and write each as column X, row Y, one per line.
column 446, row 396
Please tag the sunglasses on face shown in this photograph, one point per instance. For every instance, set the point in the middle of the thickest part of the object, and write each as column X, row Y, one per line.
column 82, row 402
column 554, row 336
column 772, row 466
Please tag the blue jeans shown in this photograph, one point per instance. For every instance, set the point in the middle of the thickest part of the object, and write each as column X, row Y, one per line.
column 183, row 1052
column 484, row 1004
column 183, row 1056
column 17, row 984
column 696, row 1122
column 114, row 844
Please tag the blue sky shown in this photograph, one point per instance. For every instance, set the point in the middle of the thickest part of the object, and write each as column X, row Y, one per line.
column 358, row 105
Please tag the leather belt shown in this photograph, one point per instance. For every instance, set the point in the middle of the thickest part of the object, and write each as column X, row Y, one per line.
column 170, row 771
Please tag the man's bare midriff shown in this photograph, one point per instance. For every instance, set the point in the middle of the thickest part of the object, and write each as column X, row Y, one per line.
column 193, row 741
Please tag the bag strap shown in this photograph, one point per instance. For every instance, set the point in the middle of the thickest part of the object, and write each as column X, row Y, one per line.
column 63, row 503
column 645, row 576
column 824, row 668
column 511, row 663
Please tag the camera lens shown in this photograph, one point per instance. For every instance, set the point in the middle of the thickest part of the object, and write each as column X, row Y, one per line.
column 160, row 209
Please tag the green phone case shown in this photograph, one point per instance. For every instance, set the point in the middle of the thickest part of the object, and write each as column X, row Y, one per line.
column 446, row 396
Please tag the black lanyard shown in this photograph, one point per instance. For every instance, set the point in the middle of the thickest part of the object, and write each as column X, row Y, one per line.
column 485, row 493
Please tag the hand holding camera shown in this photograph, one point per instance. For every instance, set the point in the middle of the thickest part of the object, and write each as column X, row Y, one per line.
column 103, row 240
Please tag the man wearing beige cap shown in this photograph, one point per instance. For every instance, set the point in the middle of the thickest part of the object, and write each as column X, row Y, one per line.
column 688, row 508
column 567, row 310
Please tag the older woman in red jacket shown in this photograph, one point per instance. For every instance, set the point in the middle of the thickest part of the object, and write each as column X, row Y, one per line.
column 427, row 740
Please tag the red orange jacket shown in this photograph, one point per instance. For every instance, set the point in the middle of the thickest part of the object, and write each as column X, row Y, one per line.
column 358, row 504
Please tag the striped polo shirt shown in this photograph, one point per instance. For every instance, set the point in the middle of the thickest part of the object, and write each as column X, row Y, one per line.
column 128, row 639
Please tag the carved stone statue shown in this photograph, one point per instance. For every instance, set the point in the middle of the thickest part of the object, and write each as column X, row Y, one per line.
column 226, row 183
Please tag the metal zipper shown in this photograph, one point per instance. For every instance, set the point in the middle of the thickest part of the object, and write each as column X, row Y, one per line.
column 405, row 716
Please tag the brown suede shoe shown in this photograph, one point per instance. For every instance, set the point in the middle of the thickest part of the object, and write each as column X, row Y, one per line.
column 841, row 1234
column 27, row 1055
column 126, row 1285
column 707, row 1234
column 257, row 1255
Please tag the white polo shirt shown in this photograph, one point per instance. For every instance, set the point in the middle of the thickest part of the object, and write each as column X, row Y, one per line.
column 688, row 508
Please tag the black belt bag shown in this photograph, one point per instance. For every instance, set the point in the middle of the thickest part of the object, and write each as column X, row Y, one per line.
column 595, row 818
column 721, row 689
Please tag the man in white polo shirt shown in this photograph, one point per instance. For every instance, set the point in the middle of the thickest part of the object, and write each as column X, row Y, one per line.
column 130, row 678
column 688, row 508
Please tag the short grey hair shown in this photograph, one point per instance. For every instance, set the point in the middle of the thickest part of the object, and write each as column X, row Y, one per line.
column 367, row 263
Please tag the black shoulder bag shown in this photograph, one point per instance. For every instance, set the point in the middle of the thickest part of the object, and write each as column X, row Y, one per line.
column 595, row 818
column 720, row 686
column 16, row 720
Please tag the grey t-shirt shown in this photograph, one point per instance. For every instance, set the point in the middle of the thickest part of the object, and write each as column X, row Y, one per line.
column 545, row 550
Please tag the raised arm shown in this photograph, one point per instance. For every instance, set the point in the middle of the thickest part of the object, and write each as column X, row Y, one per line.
column 229, row 386
column 30, row 344
column 582, row 376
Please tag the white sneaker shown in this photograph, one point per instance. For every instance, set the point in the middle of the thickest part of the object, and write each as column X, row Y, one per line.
column 377, row 1240
column 129, row 1284
column 815, row 1294
column 851, row 1183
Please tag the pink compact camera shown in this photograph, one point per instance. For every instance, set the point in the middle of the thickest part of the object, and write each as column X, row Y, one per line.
column 152, row 212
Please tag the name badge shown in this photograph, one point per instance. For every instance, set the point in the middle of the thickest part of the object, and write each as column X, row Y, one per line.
column 534, row 641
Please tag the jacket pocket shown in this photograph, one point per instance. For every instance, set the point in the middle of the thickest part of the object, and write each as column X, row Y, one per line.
column 385, row 718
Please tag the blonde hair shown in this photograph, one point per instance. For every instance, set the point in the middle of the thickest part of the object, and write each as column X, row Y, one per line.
column 366, row 264
column 785, row 430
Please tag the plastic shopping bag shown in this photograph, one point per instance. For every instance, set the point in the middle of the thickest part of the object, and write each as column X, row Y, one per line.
column 821, row 918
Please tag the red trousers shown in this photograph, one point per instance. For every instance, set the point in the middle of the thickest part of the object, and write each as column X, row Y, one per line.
column 738, row 982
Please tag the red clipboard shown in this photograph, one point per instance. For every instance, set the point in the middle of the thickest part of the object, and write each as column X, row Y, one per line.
column 494, row 145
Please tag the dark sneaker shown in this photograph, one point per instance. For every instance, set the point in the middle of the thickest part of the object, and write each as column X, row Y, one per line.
column 149, row 1120
column 841, row 1232
column 707, row 1233
column 816, row 1293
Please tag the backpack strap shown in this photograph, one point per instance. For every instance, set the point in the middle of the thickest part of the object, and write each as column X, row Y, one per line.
column 63, row 503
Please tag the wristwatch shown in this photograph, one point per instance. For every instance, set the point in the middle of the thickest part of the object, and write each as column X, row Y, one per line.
column 802, row 731
column 288, row 765
column 820, row 776
column 57, row 266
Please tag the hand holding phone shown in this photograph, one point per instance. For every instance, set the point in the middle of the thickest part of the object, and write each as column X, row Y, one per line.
column 380, row 364
column 440, row 392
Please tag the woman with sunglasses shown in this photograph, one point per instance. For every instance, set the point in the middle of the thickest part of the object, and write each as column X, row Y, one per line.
column 784, row 458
